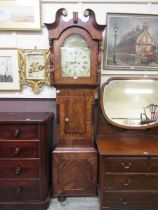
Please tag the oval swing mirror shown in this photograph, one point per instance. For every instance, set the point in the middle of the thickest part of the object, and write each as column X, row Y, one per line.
column 130, row 102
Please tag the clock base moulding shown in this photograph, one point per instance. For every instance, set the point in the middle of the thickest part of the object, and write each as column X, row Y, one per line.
column 74, row 172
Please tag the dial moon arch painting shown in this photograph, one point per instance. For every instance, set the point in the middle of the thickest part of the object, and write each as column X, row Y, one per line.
column 75, row 57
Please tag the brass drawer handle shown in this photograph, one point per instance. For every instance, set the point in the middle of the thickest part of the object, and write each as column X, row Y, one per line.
column 18, row 170
column 17, row 133
column 19, row 190
column 17, row 151
column 126, row 165
column 66, row 119
column 125, row 183
column 124, row 201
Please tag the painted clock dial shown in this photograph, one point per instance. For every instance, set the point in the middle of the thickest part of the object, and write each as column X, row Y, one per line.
column 75, row 57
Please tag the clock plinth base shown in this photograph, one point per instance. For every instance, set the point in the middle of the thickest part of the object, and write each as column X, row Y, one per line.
column 74, row 172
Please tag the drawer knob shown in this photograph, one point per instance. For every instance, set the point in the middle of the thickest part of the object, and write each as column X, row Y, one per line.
column 19, row 190
column 125, row 183
column 126, row 165
column 17, row 151
column 18, row 170
column 66, row 119
column 124, row 201
column 17, row 133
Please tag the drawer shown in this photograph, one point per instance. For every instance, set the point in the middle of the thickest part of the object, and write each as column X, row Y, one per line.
column 126, row 200
column 19, row 149
column 153, row 164
column 16, row 190
column 19, row 131
column 131, row 181
column 19, row 169
column 126, row 164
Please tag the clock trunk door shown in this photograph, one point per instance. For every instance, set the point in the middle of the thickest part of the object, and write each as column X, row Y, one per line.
column 75, row 117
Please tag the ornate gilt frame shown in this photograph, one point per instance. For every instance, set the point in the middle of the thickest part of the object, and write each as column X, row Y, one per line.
column 33, row 72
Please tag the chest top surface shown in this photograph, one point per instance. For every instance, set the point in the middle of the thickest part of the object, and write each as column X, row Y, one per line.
column 11, row 117
column 130, row 147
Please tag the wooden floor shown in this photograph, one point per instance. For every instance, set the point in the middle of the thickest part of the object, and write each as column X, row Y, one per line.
column 75, row 203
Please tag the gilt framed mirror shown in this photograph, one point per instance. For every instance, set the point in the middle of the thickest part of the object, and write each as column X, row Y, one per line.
column 130, row 102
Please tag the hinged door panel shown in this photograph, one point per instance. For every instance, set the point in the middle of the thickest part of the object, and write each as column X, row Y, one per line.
column 75, row 114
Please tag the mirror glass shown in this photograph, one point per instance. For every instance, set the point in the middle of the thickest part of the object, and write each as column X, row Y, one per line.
column 130, row 102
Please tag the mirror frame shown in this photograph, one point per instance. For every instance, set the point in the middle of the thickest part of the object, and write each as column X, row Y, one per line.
column 143, row 127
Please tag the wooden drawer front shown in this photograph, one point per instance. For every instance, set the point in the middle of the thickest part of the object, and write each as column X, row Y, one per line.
column 128, row 164
column 19, row 131
column 19, row 169
column 16, row 190
column 131, row 181
column 153, row 164
column 16, row 149
column 126, row 200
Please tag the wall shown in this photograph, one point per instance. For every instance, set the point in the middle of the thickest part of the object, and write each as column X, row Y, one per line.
column 26, row 100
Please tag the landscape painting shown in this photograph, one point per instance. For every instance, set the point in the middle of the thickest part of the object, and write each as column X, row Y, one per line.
column 20, row 15
column 131, row 42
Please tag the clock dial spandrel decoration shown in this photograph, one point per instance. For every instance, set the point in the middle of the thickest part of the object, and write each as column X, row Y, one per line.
column 75, row 57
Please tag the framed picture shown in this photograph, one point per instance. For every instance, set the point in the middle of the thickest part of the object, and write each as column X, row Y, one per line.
column 104, row 1
column 9, row 72
column 34, row 68
column 131, row 42
column 20, row 15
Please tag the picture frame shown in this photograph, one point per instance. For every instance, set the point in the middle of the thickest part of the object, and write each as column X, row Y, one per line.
column 9, row 70
column 34, row 68
column 20, row 15
column 131, row 42
column 102, row 1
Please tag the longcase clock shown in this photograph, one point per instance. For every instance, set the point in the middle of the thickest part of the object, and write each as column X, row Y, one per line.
column 75, row 67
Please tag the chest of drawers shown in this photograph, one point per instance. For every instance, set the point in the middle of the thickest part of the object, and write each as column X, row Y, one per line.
column 25, row 149
column 128, row 174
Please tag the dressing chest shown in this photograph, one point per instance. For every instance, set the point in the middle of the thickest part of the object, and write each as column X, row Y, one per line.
column 127, row 142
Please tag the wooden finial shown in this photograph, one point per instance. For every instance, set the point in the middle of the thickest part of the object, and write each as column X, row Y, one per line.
column 75, row 17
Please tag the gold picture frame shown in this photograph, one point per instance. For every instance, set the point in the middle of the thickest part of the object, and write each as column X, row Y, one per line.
column 9, row 71
column 20, row 15
column 34, row 68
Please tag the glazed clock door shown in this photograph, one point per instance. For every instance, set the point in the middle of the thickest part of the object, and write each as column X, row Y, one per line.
column 75, row 117
column 77, row 55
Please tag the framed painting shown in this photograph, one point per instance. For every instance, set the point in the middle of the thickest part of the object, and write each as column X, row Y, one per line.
column 9, row 72
column 131, row 42
column 103, row 1
column 20, row 15
column 34, row 68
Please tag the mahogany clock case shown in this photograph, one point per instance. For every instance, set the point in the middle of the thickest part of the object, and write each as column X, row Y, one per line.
column 74, row 159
